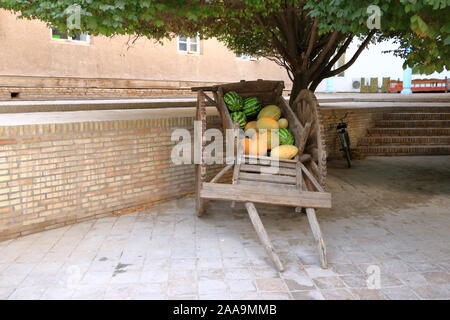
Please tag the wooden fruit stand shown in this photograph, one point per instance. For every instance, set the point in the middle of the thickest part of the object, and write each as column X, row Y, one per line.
column 298, row 182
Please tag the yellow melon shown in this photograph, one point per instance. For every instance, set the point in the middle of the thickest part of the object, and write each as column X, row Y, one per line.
column 272, row 138
column 271, row 111
column 258, row 146
column 267, row 123
column 284, row 152
column 283, row 123
column 250, row 128
column 246, row 145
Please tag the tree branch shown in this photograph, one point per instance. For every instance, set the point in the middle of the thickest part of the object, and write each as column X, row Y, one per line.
column 321, row 58
column 353, row 59
column 312, row 40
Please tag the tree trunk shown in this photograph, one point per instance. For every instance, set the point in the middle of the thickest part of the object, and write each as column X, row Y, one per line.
column 298, row 85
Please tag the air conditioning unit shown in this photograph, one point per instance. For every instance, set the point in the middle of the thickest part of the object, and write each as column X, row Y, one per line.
column 356, row 84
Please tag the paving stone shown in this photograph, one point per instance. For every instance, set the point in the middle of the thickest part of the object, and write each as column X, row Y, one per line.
column 329, row 282
column 210, row 286
column 437, row 277
column 307, row 295
column 400, row 293
column 271, row 285
column 241, row 285
column 368, row 294
column 432, row 292
column 337, row 294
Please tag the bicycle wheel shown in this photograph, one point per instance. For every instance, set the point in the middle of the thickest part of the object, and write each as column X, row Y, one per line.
column 348, row 157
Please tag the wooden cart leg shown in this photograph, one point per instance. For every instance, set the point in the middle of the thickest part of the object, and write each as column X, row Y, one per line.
column 318, row 236
column 262, row 234
column 199, row 202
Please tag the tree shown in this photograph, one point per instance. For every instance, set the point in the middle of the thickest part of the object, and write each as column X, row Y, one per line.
column 306, row 37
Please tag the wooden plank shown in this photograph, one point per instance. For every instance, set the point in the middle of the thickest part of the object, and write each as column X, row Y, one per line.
column 247, row 156
column 263, row 236
column 294, row 124
column 299, row 182
column 311, row 178
column 277, row 196
column 267, row 178
column 315, row 228
column 259, row 184
column 223, row 110
column 221, row 173
column 265, row 169
column 200, row 168
column 304, row 138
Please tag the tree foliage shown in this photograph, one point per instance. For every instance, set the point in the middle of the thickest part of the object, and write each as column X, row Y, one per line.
column 307, row 37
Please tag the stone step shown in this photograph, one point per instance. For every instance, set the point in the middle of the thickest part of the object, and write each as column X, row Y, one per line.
column 409, row 131
column 413, row 124
column 403, row 150
column 404, row 140
column 417, row 116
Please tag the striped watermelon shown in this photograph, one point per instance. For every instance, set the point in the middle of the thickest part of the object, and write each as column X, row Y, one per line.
column 286, row 137
column 252, row 106
column 233, row 101
column 239, row 118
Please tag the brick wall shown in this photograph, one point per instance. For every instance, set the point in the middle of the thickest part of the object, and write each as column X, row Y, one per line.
column 55, row 174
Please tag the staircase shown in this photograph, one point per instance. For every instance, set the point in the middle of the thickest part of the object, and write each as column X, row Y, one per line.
column 408, row 133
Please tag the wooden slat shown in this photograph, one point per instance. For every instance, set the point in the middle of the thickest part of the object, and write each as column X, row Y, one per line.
column 259, row 184
column 221, row 173
column 264, row 169
column 304, row 137
column 262, row 234
column 275, row 196
column 311, row 178
column 267, row 178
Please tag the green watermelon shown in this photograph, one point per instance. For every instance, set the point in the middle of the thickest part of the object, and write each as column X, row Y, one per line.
column 233, row 101
column 252, row 106
column 286, row 137
column 239, row 118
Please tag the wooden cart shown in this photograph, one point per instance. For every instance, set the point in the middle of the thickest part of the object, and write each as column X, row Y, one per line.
column 298, row 183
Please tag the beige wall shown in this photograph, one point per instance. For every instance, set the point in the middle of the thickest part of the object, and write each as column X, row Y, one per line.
column 28, row 50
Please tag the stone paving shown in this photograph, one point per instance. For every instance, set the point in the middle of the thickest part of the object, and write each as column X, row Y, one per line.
column 389, row 212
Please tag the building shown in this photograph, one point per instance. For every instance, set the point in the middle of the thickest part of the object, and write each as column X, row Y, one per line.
column 37, row 62
column 33, row 56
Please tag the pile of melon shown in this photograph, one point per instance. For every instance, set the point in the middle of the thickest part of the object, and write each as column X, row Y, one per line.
column 266, row 133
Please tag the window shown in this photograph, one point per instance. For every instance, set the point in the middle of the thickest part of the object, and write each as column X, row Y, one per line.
column 189, row 45
column 76, row 37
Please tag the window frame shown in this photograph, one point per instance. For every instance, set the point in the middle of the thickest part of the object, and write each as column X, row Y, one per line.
column 70, row 39
column 189, row 44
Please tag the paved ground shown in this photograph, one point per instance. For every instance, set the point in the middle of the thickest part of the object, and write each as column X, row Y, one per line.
column 389, row 212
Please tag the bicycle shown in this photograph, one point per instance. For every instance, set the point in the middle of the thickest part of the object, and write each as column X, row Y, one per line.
column 345, row 140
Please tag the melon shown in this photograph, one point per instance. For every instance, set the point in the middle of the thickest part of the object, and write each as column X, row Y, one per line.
column 252, row 106
column 258, row 146
column 271, row 111
column 233, row 101
column 283, row 123
column 286, row 137
column 239, row 118
column 266, row 123
column 284, row 152
column 271, row 136
column 246, row 145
